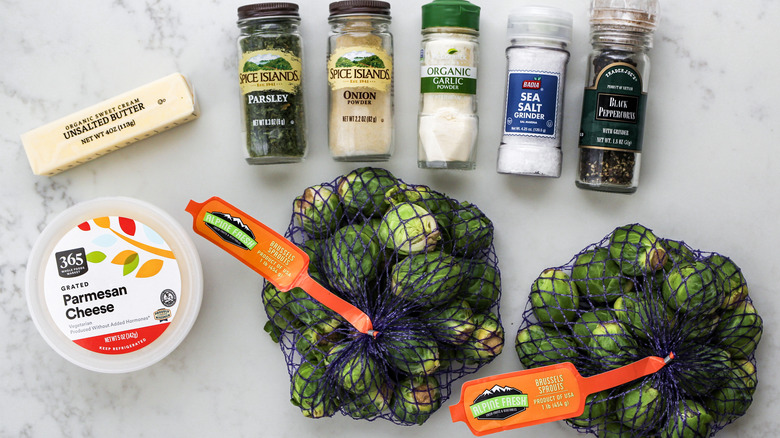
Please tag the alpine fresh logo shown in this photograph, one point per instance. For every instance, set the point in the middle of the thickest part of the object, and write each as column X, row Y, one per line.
column 499, row 403
column 535, row 84
column 230, row 229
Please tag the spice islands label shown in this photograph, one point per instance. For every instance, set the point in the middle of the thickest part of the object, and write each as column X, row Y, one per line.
column 613, row 111
column 352, row 67
column 266, row 70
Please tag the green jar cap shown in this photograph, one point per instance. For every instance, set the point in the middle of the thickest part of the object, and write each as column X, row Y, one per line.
column 450, row 13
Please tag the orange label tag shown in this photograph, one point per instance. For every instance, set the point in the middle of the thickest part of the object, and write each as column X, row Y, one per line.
column 539, row 395
column 268, row 253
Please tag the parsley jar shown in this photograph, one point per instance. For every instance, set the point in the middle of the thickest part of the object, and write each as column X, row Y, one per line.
column 270, row 76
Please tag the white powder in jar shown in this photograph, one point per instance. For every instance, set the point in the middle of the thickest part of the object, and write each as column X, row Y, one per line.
column 360, row 121
column 448, row 122
column 447, row 134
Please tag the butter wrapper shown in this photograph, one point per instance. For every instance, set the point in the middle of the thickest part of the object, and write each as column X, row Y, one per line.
column 110, row 125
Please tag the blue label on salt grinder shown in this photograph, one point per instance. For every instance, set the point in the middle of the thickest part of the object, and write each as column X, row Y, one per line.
column 531, row 103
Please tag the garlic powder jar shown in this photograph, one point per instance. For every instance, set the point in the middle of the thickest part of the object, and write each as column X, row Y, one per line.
column 114, row 284
column 447, row 120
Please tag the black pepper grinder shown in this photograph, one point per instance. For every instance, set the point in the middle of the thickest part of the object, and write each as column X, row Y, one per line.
column 615, row 99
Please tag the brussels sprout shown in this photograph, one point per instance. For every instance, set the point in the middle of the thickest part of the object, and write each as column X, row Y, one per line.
column 588, row 321
column 310, row 391
column 637, row 250
column 275, row 303
column 487, row 340
column 554, row 297
column 698, row 329
column 438, row 204
column 356, row 371
column 481, row 285
column 608, row 338
column 598, row 277
column 640, row 406
column 318, row 211
column 691, row 289
column 470, row 231
column 677, row 253
column 362, row 191
column 739, row 330
column 451, row 323
column 306, row 309
column 429, row 280
column 690, row 420
column 417, row 194
column 537, row 345
column 747, row 372
column 730, row 282
column 368, row 405
column 415, row 399
column 707, row 368
column 644, row 317
column 351, row 258
column 273, row 331
column 371, row 227
column 597, row 406
column 735, row 396
column 612, row 344
column 313, row 248
column 413, row 352
column 409, row 229
column 321, row 336
column 448, row 356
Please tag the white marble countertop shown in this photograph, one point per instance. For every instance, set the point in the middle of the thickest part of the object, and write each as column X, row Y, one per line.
column 710, row 175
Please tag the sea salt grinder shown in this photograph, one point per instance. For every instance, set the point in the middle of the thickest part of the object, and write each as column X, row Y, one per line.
column 537, row 56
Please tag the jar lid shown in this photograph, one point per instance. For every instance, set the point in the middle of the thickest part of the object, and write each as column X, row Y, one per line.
column 352, row 7
column 450, row 13
column 636, row 15
column 541, row 22
column 276, row 9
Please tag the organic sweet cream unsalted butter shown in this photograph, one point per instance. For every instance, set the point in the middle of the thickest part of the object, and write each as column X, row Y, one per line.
column 110, row 125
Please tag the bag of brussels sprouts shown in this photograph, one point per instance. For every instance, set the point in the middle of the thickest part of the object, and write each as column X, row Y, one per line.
column 634, row 294
column 421, row 265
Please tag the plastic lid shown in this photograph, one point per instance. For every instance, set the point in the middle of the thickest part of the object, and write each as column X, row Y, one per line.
column 258, row 10
column 640, row 15
column 351, row 7
column 450, row 13
column 542, row 22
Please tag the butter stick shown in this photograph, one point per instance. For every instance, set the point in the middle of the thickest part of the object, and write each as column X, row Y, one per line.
column 110, row 125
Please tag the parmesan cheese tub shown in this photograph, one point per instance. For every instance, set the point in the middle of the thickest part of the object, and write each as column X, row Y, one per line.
column 110, row 125
column 114, row 284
